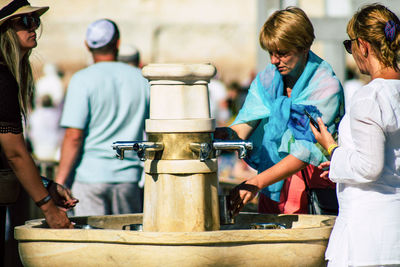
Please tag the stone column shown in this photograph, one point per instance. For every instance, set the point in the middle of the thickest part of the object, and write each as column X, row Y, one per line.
column 181, row 192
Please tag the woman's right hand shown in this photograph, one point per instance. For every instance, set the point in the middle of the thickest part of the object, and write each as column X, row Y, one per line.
column 55, row 217
column 243, row 194
column 324, row 138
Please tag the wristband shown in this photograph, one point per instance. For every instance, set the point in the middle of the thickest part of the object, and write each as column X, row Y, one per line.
column 43, row 201
column 331, row 148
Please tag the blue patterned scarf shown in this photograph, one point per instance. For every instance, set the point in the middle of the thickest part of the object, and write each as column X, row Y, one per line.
column 284, row 129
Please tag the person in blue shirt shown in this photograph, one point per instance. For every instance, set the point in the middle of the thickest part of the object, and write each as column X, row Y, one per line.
column 105, row 102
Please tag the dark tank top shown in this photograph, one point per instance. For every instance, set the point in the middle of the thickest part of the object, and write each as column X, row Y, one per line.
column 10, row 111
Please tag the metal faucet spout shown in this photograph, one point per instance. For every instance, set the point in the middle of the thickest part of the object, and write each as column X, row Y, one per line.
column 240, row 145
column 120, row 147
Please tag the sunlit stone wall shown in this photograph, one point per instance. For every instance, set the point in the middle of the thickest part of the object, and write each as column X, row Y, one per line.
column 222, row 32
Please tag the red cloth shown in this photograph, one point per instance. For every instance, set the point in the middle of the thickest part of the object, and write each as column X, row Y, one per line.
column 293, row 199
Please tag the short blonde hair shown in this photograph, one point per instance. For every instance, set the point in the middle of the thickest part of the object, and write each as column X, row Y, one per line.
column 287, row 29
column 369, row 23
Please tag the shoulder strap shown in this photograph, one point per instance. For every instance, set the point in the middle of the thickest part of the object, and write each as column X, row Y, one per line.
column 305, row 180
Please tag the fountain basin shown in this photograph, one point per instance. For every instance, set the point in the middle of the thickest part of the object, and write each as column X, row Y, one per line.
column 303, row 243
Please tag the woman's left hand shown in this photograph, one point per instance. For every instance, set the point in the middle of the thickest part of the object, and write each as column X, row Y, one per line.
column 242, row 194
column 62, row 196
column 325, row 167
column 324, row 138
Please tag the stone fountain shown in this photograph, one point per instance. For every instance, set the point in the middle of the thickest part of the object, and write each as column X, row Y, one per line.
column 183, row 223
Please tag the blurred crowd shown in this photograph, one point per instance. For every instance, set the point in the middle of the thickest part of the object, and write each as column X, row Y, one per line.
column 44, row 134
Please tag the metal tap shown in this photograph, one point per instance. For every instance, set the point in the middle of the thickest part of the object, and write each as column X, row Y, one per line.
column 205, row 149
column 138, row 146
column 240, row 145
column 142, row 147
column 121, row 146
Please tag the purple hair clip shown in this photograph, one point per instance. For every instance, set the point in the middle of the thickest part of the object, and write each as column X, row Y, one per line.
column 390, row 30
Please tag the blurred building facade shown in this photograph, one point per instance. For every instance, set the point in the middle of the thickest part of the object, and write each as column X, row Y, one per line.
column 218, row 31
column 223, row 32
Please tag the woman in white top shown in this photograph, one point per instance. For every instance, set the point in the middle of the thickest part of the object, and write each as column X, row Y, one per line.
column 366, row 164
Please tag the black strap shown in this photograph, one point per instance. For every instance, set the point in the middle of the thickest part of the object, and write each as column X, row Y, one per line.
column 325, row 206
column 12, row 7
column 308, row 192
column 305, row 180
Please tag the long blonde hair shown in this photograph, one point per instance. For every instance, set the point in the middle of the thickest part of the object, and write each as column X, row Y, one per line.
column 19, row 67
column 369, row 24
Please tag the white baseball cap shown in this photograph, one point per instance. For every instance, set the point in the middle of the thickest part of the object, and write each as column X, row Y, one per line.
column 100, row 33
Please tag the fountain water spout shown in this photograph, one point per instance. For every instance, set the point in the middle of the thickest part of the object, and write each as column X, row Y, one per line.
column 240, row 145
column 205, row 149
column 120, row 147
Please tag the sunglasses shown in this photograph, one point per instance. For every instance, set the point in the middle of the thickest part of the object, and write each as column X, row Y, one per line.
column 347, row 45
column 27, row 21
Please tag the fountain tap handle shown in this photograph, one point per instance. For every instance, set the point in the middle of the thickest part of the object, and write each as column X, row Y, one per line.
column 142, row 147
column 141, row 151
column 204, row 150
column 240, row 145
column 138, row 146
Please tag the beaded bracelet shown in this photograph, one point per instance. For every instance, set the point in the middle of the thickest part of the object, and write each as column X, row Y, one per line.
column 43, row 201
column 331, row 148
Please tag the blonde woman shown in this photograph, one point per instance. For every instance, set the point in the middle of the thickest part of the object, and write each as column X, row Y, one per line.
column 18, row 24
column 273, row 117
column 366, row 164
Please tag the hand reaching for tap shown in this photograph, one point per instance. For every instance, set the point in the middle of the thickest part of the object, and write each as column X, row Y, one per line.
column 242, row 194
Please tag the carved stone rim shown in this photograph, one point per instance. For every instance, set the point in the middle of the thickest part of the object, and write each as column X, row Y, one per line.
column 188, row 73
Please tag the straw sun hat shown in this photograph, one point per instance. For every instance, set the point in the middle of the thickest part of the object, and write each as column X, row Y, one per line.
column 10, row 8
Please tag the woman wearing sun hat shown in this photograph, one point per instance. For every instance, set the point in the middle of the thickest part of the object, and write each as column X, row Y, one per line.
column 18, row 23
